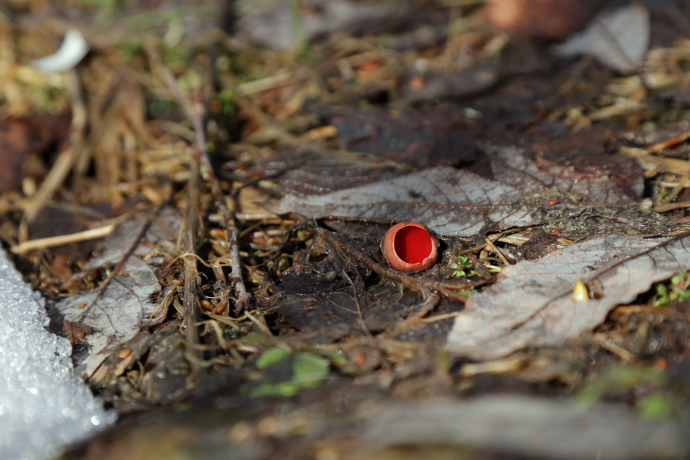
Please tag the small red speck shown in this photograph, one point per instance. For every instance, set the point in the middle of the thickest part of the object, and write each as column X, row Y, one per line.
column 553, row 202
column 661, row 364
column 308, row 305
column 554, row 231
column 359, row 359
column 369, row 66
column 417, row 83
column 216, row 106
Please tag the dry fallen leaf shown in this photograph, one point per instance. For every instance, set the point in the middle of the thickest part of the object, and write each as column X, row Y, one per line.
column 120, row 307
column 312, row 172
column 420, row 139
column 532, row 303
column 268, row 23
column 617, row 38
column 449, row 201
column 119, row 243
column 512, row 167
column 116, row 312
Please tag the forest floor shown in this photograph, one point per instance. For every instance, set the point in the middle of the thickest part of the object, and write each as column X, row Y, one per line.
column 202, row 198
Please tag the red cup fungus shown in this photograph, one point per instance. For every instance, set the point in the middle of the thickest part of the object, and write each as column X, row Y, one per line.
column 410, row 247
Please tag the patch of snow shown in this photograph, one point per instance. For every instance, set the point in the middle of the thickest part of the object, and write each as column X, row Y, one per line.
column 43, row 406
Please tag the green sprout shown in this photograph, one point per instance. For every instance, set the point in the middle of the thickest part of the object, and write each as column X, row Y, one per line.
column 677, row 289
column 305, row 370
column 227, row 100
column 492, row 269
column 621, row 380
column 461, row 266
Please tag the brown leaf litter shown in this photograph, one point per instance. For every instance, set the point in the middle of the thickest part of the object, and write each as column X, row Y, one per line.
column 204, row 280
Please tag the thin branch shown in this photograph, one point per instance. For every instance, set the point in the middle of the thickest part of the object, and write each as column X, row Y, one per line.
column 189, row 235
column 65, row 161
column 43, row 243
column 605, row 342
column 497, row 251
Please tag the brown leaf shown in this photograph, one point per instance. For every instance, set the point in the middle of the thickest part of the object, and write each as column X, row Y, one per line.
column 451, row 202
column 75, row 332
column 309, row 172
column 532, row 303
column 453, row 83
column 511, row 166
column 269, row 24
column 19, row 137
column 418, row 139
column 116, row 312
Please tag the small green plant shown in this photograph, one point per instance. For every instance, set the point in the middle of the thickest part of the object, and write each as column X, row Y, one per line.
column 620, row 380
column 281, row 373
column 465, row 269
column 655, row 406
column 129, row 48
column 462, row 266
column 227, row 100
column 677, row 289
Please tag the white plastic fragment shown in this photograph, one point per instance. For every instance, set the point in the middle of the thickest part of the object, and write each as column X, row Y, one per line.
column 43, row 406
column 72, row 50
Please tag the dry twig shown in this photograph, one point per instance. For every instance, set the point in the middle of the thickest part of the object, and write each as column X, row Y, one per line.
column 44, row 243
column 65, row 161
column 498, row 252
column 189, row 234
column 605, row 342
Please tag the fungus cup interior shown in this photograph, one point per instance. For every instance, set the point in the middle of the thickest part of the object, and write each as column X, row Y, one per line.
column 413, row 244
